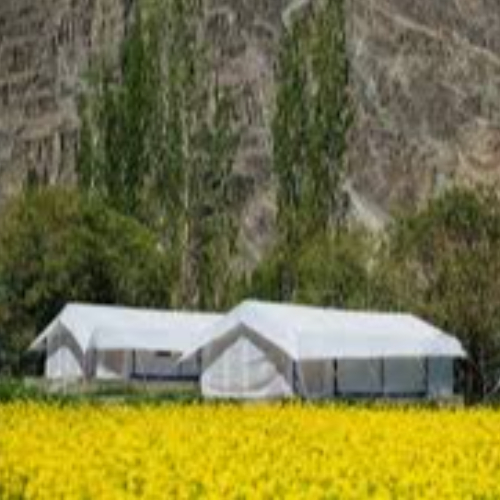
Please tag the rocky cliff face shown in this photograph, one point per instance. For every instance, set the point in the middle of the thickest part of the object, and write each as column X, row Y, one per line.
column 425, row 81
column 44, row 49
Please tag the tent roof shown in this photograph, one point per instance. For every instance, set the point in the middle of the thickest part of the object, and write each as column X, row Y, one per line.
column 112, row 327
column 304, row 332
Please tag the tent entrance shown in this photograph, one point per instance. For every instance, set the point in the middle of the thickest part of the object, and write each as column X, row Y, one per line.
column 246, row 367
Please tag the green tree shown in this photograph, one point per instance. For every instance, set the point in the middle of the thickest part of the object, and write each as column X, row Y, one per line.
column 334, row 269
column 443, row 263
column 158, row 143
column 119, row 122
column 57, row 246
column 310, row 127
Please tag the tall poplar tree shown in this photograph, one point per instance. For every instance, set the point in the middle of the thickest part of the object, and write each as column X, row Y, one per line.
column 158, row 142
column 310, row 127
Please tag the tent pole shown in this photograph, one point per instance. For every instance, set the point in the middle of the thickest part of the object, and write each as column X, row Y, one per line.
column 133, row 364
column 130, row 372
column 426, row 379
column 382, row 376
column 199, row 362
column 294, row 378
column 61, row 365
column 178, row 368
column 296, row 383
column 143, row 369
column 455, row 376
column 335, row 378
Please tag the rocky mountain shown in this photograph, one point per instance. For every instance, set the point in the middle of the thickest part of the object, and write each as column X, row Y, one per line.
column 425, row 82
column 45, row 46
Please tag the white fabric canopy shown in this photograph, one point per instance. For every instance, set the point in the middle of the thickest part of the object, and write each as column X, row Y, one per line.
column 313, row 333
column 116, row 328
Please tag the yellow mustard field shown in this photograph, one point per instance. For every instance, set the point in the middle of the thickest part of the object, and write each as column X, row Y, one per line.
column 247, row 452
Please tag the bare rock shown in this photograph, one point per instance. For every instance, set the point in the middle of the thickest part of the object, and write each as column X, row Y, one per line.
column 426, row 83
column 45, row 47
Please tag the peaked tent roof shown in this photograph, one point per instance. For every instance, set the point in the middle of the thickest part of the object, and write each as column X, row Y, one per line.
column 315, row 333
column 112, row 327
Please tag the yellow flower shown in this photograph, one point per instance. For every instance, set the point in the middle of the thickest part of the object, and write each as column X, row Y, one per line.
column 247, row 452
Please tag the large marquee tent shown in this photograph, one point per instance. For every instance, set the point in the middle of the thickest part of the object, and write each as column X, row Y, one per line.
column 258, row 350
column 107, row 342
column 266, row 350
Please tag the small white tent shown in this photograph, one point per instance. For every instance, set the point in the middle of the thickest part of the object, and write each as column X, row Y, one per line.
column 108, row 342
column 266, row 350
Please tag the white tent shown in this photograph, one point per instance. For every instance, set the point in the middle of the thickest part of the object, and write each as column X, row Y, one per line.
column 265, row 350
column 108, row 342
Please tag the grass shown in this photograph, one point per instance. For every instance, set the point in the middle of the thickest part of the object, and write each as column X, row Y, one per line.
column 12, row 390
column 136, row 394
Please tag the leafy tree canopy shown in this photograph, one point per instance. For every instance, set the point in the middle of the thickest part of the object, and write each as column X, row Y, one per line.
column 58, row 246
column 332, row 269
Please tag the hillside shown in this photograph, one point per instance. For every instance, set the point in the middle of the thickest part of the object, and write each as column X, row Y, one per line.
column 425, row 81
column 427, row 85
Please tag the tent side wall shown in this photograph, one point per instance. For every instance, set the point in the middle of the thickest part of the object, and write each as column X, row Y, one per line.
column 441, row 382
column 130, row 364
column 151, row 365
column 392, row 377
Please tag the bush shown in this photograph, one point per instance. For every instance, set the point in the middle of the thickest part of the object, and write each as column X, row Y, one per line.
column 16, row 390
